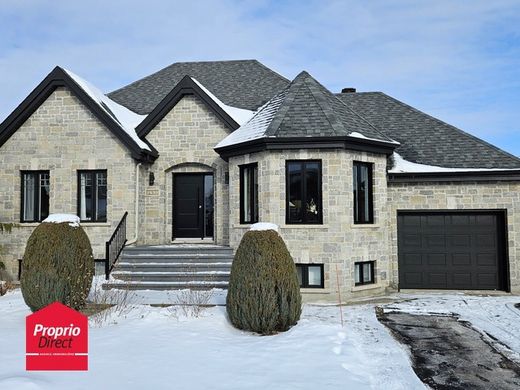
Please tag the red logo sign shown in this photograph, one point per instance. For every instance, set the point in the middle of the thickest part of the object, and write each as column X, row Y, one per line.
column 56, row 339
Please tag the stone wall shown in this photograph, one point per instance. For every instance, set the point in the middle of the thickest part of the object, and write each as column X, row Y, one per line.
column 63, row 136
column 337, row 242
column 185, row 139
column 458, row 196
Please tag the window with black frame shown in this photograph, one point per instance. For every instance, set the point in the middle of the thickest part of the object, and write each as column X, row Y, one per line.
column 249, row 193
column 304, row 196
column 363, row 193
column 92, row 196
column 364, row 273
column 35, row 196
column 310, row 275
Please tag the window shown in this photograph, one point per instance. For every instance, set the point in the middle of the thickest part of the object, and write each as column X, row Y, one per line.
column 249, row 193
column 303, row 192
column 363, row 203
column 92, row 197
column 310, row 275
column 35, row 196
column 364, row 273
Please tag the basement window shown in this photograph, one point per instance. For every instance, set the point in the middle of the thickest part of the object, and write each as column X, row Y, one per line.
column 310, row 275
column 364, row 273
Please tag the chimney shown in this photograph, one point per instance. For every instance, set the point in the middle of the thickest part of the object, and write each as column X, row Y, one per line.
column 348, row 90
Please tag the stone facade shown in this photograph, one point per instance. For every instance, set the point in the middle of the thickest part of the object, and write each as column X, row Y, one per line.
column 337, row 243
column 458, row 196
column 185, row 139
column 62, row 136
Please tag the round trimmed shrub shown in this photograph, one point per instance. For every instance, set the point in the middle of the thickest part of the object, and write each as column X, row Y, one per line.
column 57, row 266
column 264, row 292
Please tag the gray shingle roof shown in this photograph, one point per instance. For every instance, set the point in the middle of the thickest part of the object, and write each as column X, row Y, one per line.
column 305, row 108
column 425, row 139
column 244, row 84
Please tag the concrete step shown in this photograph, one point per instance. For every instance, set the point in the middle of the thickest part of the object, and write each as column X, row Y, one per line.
column 219, row 276
column 195, row 258
column 164, row 285
column 172, row 267
column 179, row 249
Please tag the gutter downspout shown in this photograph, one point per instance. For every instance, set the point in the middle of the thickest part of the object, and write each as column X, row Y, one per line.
column 136, row 232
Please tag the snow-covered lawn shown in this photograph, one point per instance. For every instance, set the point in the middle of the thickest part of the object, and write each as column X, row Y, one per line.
column 153, row 348
column 160, row 348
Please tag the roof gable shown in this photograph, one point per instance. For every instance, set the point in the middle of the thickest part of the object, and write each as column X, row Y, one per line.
column 246, row 84
column 61, row 78
column 187, row 86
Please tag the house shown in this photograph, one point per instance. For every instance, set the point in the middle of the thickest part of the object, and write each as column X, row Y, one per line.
column 369, row 193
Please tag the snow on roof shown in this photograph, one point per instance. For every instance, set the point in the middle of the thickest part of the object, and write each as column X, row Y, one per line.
column 128, row 120
column 404, row 166
column 257, row 126
column 355, row 134
column 264, row 226
column 240, row 115
column 72, row 219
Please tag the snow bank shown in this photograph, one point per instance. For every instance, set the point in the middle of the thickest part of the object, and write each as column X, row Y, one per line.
column 264, row 226
column 355, row 134
column 240, row 115
column 73, row 220
column 126, row 118
column 404, row 166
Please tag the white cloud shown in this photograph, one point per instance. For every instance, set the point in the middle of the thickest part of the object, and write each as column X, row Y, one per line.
column 453, row 58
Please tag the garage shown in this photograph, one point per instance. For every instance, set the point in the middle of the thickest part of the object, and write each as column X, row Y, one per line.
column 463, row 250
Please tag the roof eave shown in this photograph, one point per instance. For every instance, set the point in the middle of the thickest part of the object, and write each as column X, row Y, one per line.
column 288, row 143
column 467, row 176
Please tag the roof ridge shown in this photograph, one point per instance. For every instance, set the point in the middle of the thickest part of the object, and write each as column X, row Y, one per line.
column 272, row 71
column 321, row 107
column 462, row 132
column 282, row 109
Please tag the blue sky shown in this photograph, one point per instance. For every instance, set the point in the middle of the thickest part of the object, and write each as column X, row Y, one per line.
column 457, row 60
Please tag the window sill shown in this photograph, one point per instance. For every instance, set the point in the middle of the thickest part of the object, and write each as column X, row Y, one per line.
column 95, row 224
column 314, row 291
column 28, row 224
column 365, row 226
column 363, row 287
column 304, row 226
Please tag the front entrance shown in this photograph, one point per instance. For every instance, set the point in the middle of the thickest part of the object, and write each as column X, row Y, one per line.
column 192, row 205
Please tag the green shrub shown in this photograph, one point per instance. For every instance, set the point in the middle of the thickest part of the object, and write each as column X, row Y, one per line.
column 57, row 266
column 264, row 293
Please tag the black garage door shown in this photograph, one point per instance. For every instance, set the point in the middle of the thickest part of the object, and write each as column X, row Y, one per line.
column 452, row 250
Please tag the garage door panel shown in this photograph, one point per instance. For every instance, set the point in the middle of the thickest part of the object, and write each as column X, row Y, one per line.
column 451, row 250
column 436, row 259
column 461, row 259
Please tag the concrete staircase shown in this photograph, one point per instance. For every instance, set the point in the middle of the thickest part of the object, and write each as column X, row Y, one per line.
column 172, row 267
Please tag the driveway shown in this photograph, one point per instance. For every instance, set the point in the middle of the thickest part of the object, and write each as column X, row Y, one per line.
column 458, row 341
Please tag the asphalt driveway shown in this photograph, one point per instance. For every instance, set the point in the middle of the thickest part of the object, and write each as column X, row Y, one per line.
column 447, row 351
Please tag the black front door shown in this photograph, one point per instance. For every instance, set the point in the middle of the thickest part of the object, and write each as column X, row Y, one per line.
column 192, row 205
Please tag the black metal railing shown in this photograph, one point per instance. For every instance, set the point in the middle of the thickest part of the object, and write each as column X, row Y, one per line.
column 115, row 245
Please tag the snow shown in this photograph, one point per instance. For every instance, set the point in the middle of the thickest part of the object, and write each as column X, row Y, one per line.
column 264, row 226
column 72, row 219
column 257, row 126
column 128, row 120
column 355, row 134
column 157, row 347
column 240, row 115
column 401, row 166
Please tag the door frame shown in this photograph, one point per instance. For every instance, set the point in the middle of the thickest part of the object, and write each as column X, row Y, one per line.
column 202, row 173
column 502, row 233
